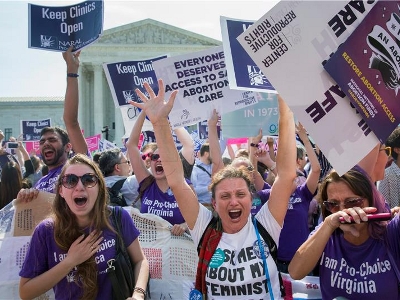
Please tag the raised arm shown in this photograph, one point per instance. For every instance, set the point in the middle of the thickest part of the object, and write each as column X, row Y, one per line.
column 71, row 104
column 253, row 152
column 187, row 144
column 215, row 149
column 138, row 166
column 157, row 110
column 285, row 164
column 313, row 177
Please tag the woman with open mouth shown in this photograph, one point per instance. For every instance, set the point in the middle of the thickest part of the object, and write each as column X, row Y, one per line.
column 234, row 261
column 155, row 193
column 70, row 251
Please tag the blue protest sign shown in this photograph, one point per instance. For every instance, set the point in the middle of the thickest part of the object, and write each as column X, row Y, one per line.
column 57, row 28
column 124, row 77
column 243, row 73
column 31, row 129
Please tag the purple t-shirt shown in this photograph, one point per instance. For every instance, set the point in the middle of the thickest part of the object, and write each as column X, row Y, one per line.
column 164, row 205
column 361, row 272
column 48, row 183
column 43, row 254
column 295, row 229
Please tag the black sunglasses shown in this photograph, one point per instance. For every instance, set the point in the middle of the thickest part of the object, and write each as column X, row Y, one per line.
column 349, row 203
column 154, row 157
column 88, row 180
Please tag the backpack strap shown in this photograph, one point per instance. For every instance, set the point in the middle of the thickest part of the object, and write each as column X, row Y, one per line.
column 206, row 248
column 118, row 185
column 273, row 250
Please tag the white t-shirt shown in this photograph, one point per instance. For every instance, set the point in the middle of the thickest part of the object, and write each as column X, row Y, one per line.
column 236, row 269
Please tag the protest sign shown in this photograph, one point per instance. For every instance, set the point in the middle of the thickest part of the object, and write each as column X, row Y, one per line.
column 93, row 142
column 31, row 129
column 243, row 73
column 247, row 122
column 366, row 67
column 29, row 214
column 32, row 147
column 203, row 85
column 130, row 115
column 289, row 44
column 202, row 129
column 125, row 77
column 106, row 145
column 57, row 28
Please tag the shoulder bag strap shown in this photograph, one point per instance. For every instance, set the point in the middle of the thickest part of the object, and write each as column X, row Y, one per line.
column 202, row 168
column 116, row 216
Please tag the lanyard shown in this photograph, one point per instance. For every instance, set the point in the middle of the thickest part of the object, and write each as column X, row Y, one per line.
column 261, row 247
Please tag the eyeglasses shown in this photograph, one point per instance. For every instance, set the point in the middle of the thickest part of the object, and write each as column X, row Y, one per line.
column 88, row 180
column 144, row 156
column 334, row 206
column 124, row 162
column 388, row 150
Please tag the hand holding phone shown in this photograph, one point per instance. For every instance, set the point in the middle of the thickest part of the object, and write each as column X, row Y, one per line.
column 11, row 145
column 371, row 218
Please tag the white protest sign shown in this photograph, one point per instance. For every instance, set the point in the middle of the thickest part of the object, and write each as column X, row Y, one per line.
column 203, row 85
column 129, row 116
column 290, row 44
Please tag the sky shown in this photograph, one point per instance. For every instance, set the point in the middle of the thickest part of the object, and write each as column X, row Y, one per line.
column 26, row 72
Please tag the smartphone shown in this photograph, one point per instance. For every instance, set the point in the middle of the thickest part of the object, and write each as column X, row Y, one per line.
column 11, row 145
column 371, row 218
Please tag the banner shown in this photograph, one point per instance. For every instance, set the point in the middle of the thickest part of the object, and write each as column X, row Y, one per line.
column 243, row 73
column 129, row 116
column 289, row 44
column 57, row 28
column 366, row 67
column 31, row 129
column 247, row 122
column 125, row 77
column 203, row 86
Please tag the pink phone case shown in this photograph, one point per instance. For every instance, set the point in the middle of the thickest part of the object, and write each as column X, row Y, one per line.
column 371, row 217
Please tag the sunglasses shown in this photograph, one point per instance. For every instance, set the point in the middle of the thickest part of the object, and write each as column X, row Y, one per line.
column 144, row 156
column 334, row 206
column 88, row 180
column 154, row 157
column 388, row 150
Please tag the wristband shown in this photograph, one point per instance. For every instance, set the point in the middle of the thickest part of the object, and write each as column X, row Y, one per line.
column 140, row 290
column 72, row 75
column 254, row 145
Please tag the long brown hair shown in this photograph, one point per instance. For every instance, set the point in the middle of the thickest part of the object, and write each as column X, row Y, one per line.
column 66, row 228
column 11, row 183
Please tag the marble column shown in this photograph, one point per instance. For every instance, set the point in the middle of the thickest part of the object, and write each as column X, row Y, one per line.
column 119, row 127
column 98, row 103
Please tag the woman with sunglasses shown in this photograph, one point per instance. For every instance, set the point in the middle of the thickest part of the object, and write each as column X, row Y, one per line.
column 356, row 260
column 155, row 194
column 69, row 251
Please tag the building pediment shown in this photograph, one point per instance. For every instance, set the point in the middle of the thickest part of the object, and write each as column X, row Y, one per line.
column 150, row 31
